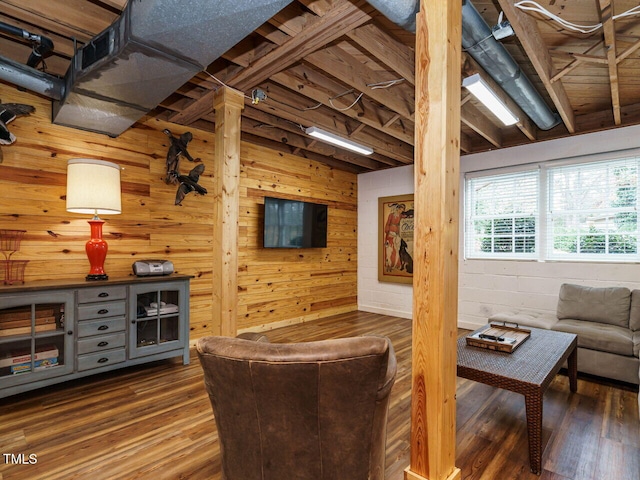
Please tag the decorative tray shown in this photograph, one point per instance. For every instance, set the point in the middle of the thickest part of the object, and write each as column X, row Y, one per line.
column 498, row 337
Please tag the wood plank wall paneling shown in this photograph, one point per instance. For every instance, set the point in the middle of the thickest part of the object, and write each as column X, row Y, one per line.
column 276, row 287
column 294, row 285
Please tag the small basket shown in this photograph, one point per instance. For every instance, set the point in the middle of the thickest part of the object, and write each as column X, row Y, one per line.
column 10, row 241
column 13, row 271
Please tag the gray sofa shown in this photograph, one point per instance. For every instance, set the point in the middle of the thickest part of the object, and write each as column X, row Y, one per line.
column 607, row 322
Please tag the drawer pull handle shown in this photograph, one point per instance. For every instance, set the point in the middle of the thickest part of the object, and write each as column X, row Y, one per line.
column 103, row 344
column 103, row 311
column 103, row 294
column 103, row 360
column 103, row 327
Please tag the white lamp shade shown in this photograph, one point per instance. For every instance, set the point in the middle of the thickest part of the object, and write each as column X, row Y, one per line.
column 93, row 187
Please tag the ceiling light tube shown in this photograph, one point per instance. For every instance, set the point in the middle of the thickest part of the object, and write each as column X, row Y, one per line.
column 339, row 141
column 479, row 88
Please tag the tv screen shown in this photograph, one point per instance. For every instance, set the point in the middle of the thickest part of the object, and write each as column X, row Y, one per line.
column 294, row 224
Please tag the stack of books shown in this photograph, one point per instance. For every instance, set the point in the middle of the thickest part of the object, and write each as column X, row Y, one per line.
column 17, row 321
column 19, row 361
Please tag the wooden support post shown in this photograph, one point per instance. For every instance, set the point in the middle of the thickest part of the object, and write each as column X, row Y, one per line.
column 435, row 275
column 228, row 105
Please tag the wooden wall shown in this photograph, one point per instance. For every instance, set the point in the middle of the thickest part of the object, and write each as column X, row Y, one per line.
column 293, row 285
column 275, row 287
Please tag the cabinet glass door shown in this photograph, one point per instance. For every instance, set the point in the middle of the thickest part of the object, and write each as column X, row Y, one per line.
column 157, row 325
column 34, row 339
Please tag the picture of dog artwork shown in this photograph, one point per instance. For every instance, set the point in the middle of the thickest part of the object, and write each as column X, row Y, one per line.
column 395, row 226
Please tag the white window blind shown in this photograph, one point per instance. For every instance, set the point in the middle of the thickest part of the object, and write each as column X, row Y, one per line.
column 592, row 211
column 501, row 215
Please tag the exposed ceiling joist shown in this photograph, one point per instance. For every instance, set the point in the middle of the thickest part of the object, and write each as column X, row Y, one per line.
column 538, row 53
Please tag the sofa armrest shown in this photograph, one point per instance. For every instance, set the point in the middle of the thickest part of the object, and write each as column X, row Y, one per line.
column 526, row 318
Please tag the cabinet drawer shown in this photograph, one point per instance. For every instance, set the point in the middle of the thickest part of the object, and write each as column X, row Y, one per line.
column 101, row 359
column 98, row 327
column 99, row 310
column 100, row 342
column 101, row 294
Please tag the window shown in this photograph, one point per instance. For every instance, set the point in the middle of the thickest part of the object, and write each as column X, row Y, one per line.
column 593, row 210
column 582, row 211
column 502, row 214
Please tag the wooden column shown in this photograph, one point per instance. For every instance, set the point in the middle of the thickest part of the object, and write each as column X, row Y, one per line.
column 435, row 275
column 228, row 105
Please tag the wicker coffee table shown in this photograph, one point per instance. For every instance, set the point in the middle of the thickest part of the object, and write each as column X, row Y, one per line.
column 529, row 370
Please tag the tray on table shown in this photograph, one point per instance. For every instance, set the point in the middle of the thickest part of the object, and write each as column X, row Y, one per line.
column 499, row 337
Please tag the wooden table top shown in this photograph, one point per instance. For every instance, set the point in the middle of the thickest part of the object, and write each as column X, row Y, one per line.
column 532, row 363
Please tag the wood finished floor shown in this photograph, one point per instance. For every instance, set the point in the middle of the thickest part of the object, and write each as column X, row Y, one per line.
column 155, row 422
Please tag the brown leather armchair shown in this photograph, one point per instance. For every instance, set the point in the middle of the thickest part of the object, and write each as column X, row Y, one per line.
column 300, row 411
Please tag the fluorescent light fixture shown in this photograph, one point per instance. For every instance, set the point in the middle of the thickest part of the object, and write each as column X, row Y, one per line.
column 339, row 141
column 479, row 88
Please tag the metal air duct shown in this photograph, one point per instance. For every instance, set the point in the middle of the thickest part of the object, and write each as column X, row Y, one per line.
column 153, row 48
column 478, row 41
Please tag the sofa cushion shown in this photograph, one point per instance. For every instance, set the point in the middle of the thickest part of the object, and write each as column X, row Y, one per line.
column 636, row 345
column 603, row 305
column 634, row 314
column 527, row 318
column 599, row 336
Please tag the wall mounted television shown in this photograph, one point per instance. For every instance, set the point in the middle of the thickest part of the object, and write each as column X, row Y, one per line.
column 294, row 224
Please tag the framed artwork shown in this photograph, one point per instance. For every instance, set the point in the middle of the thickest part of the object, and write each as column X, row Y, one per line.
column 395, row 239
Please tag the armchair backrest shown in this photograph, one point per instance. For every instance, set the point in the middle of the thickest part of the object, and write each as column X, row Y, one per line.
column 300, row 411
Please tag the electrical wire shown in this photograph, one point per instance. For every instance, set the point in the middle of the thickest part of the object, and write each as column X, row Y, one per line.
column 346, row 108
column 387, row 84
column 529, row 5
column 224, row 84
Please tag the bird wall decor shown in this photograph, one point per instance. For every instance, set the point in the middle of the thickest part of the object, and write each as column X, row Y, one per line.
column 177, row 148
column 189, row 183
column 8, row 113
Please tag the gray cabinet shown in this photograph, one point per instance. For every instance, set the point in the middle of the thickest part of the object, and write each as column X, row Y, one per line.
column 51, row 332
column 156, row 319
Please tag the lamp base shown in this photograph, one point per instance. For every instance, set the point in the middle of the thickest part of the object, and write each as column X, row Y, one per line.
column 97, row 277
column 96, row 249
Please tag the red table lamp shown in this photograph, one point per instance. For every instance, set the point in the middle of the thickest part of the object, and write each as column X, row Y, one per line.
column 93, row 187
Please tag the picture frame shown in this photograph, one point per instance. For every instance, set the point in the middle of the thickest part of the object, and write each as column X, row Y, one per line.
column 395, row 239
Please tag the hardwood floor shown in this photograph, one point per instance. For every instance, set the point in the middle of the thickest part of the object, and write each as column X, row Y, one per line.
column 155, row 422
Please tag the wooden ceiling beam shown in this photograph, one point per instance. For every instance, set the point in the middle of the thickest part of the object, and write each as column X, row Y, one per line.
column 71, row 18
column 281, row 147
column 590, row 59
column 474, row 119
column 386, row 49
column 289, row 106
column 322, row 89
column 338, row 63
column 465, row 143
column 344, row 17
column 628, row 51
column 278, row 129
column 606, row 14
column 531, row 40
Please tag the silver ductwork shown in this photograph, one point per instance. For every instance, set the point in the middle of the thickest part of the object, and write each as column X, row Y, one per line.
column 400, row 12
column 31, row 79
column 478, row 42
column 153, row 48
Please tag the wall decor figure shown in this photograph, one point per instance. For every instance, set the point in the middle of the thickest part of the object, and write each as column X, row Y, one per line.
column 395, row 225
column 8, row 113
column 177, row 148
column 189, row 183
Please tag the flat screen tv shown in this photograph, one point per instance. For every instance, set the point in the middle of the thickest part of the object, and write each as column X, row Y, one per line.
column 294, row 224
